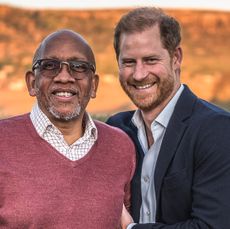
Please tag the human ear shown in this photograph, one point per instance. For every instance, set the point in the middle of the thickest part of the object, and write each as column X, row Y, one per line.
column 30, row 83
column 95, row 82
column 177, row 57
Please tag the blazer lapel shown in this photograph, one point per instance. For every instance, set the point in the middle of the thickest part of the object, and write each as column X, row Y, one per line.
column 169, row 145
column 176, row 127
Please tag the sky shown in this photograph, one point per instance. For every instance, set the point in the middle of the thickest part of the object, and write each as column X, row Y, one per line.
column 96, row 4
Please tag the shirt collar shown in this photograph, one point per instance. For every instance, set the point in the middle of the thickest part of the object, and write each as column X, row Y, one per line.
column 90, row 129
column 165, row 115
column 40, row 120
column 43, row 124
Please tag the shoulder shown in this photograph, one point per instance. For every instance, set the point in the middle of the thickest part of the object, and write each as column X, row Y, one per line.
column 209, row 125
column 118, row 147
column 120, row 119
column 115, row 139
column 110, row 131
column 210, row 130
column 190, row 107
column 203, row 118
column 114, row 136
column 16, row 122
column 210, row 114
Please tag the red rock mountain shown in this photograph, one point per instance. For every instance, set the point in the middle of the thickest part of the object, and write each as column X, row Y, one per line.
column 206, row 46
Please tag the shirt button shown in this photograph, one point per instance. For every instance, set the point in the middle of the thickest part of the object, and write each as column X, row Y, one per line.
column 146, row 179
column 148, row 213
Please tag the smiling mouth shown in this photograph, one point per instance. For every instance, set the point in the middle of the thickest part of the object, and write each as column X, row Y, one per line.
column 142, row 87
column 64, row 94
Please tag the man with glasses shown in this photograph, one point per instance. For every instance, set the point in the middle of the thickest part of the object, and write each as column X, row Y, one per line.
column 58, row 167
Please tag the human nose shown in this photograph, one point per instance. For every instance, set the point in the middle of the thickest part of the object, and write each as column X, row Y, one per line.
column 140, row 71
column 64, row 74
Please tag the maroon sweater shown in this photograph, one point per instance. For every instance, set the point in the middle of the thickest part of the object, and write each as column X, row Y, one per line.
column 40, row 188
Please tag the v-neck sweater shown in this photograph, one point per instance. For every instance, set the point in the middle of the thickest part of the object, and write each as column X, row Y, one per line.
column 40, row 188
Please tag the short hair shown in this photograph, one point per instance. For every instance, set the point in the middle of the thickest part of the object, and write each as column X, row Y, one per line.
column 140, row 19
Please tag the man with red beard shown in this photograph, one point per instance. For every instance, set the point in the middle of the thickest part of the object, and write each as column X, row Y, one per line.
column 182, row 178
column 59, row 168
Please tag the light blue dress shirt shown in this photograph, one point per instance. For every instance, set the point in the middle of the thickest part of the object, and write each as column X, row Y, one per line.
column 158, row 128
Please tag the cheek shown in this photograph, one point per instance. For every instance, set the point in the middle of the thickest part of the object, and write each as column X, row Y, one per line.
column 125, row 74
column 86, row 89
column 37, row 88
column 163, row 70
column 41, row 88
column 37, row 84
column 122, row 79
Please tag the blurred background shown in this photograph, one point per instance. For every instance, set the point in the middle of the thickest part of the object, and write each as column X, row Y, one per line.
column 23, row 24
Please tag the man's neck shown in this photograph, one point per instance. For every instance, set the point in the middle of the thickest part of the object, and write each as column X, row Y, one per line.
column 150, row 115
column 71, row 130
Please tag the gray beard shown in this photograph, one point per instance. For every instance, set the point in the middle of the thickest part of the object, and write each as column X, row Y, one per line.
column 65, row 117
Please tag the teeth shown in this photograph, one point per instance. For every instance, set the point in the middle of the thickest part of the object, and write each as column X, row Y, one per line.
column 64, row 94
column 144, row 86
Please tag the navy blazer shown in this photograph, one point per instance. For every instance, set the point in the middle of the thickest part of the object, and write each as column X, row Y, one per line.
column 192, row 175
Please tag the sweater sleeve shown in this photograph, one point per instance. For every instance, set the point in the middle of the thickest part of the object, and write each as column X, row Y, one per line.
column 127, row 198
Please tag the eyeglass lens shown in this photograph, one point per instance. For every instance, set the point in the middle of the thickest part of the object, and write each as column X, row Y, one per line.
column 77, row 69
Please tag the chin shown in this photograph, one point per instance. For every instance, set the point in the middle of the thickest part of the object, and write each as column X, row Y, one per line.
column 66, row 116
column 148, row 104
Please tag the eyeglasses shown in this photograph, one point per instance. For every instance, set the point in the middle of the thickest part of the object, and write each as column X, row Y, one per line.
column 51, row 67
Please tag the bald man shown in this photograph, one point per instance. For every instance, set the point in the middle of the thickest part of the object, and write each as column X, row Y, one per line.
column 59, row 168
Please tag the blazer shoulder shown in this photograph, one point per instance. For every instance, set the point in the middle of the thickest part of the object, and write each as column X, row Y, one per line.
column 121, row 118
column 206, row 111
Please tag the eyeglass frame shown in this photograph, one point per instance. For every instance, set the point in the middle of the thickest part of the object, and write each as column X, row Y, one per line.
column 61, row 62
